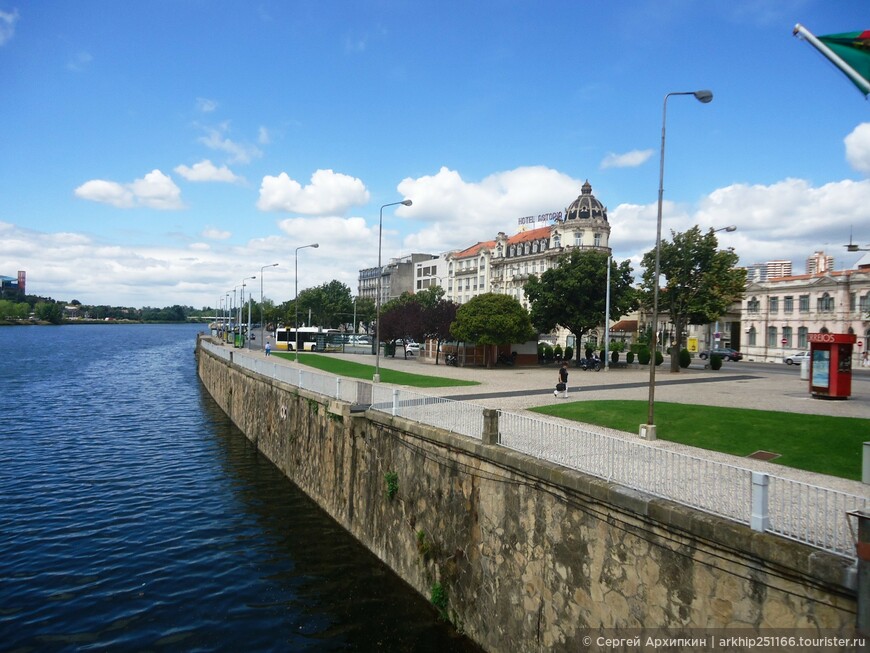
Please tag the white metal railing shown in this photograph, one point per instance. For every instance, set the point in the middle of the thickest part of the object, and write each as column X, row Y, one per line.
column 799, row 511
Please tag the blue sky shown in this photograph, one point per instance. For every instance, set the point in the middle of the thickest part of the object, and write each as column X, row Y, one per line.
column 160, row 152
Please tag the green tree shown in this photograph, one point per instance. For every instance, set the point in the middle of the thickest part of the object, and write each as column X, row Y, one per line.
column 329, row 304
column 573, row 294
column 49, row 312
column 701, row 281
column 492, row 319
column 402, row 318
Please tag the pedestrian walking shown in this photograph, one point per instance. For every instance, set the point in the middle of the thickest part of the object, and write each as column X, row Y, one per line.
column 562, row 385
column 268, row 348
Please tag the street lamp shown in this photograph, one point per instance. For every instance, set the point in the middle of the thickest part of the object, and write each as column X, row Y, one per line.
column 262, row 310
column 241, row 302
column 296, row 298
column 648, row 430
column 377, row 376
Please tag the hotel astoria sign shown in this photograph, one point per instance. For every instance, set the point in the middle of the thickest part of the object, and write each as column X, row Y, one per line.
column 543, row 218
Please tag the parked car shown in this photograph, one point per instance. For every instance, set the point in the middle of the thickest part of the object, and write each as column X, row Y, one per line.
column 725, row 353
column 411, row 347
column 797, row 359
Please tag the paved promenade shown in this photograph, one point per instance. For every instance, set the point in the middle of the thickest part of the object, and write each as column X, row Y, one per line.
column 517, row 389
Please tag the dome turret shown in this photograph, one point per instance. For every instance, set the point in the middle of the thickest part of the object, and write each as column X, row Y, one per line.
column 586, row 207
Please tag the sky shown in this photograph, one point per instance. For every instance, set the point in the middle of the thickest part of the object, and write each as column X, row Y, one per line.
column 165, row 151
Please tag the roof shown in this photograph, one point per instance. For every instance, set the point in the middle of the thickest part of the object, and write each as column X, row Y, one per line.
column 625, row 325
column 531, row 234
column 475, row 249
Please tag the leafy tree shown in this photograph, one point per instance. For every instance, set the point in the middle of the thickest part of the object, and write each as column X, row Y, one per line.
column 702, row 281
column 329, row 305
column 492, row 319
column 365, row 313
column 402, row 318
column 574, row 293
column 49, row 312
column 437, row 319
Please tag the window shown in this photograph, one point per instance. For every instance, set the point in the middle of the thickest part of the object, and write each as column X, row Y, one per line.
column 578, row 238
column 864, row 303
column 786, row 335
column 752, row 335
column 597, row 240
column 752, row 305
column 535, row 247
column 788, row 304
column 804, row 303
column 773, row 304
column 853, row 301
column 825, row 304
column 771, row 336
column 802, row 337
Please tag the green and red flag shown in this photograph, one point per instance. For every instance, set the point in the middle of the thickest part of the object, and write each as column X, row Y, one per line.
column 849, row 51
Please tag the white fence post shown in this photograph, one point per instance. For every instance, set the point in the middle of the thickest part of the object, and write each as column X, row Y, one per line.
column 865, row 472
column 760, row 518
column 338, row 387
column 395, row 402
column 301, row 384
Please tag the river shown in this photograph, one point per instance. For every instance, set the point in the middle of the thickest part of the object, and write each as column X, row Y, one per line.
column 135, row 516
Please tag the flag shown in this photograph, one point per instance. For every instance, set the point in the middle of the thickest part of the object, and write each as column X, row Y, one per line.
column 854, row 49
column 850, row 52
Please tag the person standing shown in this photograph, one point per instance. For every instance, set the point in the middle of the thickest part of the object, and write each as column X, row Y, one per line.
column 563, row 379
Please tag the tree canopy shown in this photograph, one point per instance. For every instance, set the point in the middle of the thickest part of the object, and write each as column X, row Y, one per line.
column 492, row 319
column 701, row 281
column 573, row 295
column 330, row 305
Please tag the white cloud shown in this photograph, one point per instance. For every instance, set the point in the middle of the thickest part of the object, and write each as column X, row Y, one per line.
column 789, row 219
column 215, row 234
column 205, row 105
column 263, row 136
column 459, row 213
column 216, row 139
column 329, row 193
column 205, row 170
column 858, row 148
column 7, row 25
column 155, row 190
column 628, row 160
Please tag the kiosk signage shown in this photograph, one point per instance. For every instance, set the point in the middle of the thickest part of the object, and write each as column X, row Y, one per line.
column 831, row 364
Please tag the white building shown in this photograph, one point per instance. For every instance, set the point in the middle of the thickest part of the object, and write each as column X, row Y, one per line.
column 777, row 315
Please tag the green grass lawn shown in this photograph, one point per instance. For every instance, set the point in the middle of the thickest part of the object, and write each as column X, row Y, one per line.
column 342, row 367
column 816, row 443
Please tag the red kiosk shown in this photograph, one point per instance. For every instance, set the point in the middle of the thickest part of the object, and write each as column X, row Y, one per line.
column 831, row 364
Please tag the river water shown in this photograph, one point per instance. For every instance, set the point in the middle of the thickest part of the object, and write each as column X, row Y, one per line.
column 135, row 516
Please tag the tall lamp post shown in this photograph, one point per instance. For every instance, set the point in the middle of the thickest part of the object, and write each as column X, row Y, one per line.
column 377, row 376
column 296, row 297
column 648, row 430
column 241, row 303
column 262, row 310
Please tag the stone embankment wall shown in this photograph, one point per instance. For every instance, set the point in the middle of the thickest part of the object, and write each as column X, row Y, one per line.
column 520, row 554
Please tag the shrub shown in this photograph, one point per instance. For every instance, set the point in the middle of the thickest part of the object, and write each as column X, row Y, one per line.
column 548, row 353
column 602, row 356
column 557, row 352
column 588, row 352
column 643, row 356
column 715, row 362
column 685, row 358
column 614, row 357
column 629, row 357
column 569, row 353
column 659, row 358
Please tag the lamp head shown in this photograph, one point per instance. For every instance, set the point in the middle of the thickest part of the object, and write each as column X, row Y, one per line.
column 851, row 248
column 407, row 202
column 703, row 96
column 731, row 227
column 315, row 245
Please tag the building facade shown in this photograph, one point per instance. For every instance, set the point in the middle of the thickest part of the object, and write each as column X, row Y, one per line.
column 396, row 277
column 779, row 314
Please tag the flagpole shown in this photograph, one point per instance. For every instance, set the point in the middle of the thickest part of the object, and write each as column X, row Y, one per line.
column 834, row 58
